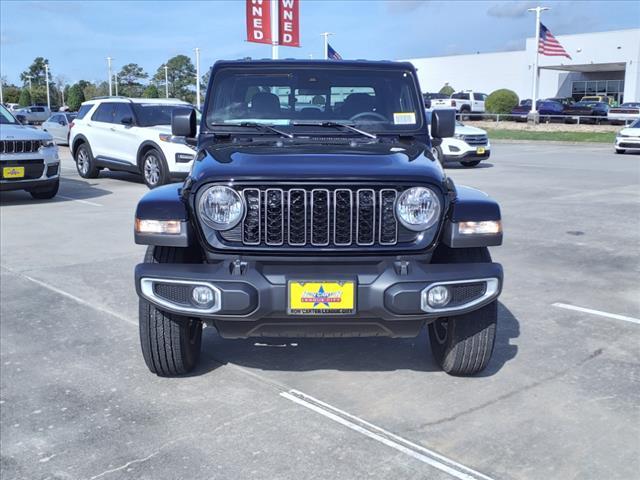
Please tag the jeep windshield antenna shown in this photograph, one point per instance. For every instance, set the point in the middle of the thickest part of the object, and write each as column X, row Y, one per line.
column 336, row 125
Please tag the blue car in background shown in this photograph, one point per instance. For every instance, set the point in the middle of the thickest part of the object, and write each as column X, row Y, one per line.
column 545, row 108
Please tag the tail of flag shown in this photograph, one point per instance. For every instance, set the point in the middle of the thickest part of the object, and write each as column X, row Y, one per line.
column 548, row 45
column 332, row 54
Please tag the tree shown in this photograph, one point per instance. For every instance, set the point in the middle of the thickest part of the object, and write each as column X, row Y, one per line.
column 75, row 97
column 11, row 93
column 501, row 101
column 129, row 79
column 151, row 92
column 182, row 76
column 25, row 98
column 92, row 90
column 447, row 89
column 37, row 72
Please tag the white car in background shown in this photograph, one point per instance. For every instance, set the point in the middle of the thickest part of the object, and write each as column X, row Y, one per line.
column 130, row 134
column 58, row 125
column 628, row 139
column 469, row 146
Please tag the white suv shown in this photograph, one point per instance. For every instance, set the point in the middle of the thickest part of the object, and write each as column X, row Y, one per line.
column 130, row 134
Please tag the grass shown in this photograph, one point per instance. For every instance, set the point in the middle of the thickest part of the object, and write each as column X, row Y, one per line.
column 599, row 137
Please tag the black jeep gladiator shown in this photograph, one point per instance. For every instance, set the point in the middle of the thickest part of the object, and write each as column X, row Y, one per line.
column 315, row 208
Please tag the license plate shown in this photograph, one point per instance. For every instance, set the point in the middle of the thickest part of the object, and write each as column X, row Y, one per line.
column 480, row 150
column 12, row 172
column 321, row 298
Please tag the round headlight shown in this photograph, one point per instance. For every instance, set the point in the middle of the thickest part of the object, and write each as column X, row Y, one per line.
column 221, row 207
column 418, row 208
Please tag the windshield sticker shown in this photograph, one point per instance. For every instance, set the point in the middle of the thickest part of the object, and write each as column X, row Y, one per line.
column 404, row 118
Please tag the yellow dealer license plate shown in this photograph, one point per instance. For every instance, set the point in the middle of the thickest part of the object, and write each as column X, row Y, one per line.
column 480, row 150
column 321, row 298
column 12, row 172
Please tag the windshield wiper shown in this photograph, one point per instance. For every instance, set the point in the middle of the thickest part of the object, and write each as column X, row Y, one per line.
column 258, row 126
column 346, row 126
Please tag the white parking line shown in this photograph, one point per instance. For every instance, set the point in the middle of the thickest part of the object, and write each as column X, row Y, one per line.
column 86, row 202
column 615, row 316
column 389, row 439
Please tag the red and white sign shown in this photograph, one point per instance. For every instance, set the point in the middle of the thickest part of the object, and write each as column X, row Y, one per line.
column 289, row 23
column 259, row 21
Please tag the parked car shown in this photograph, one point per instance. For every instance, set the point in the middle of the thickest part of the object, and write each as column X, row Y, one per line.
column 468, row 146
column 628, row 139
column 28, row 158
column 584, row 112
column 546, row 109
column 628, row 111
column 316, row 226
column 12, row 107
column 35, row 114
column 432, row 96
column 463, row 102
column 58, row 125
column 562, row 100
column 599, row 98
column 130, row 134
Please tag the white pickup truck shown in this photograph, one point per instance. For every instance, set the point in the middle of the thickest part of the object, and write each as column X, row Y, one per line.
column 466, row 101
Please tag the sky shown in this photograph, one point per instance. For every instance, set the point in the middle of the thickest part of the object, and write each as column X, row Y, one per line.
column 77, row 36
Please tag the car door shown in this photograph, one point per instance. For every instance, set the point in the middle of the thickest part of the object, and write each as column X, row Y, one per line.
column 98, row 130
column 124, row 132
column 477, row 104
column 56, row 126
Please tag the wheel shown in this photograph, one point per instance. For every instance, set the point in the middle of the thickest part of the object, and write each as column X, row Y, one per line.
column 470, row 163
column 619, row 150
column 85, row 164
column 154, row 169
column 170, row 343
column 47, row 193
column 464, row 113
column 462, row 345
column 438, row 155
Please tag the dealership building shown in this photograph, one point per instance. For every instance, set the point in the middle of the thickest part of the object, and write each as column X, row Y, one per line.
column 602, row 63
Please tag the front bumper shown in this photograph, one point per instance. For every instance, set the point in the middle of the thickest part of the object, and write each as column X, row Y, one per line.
column 457, row 150
column 254, row 300
column 628, row 143
column 50, row 169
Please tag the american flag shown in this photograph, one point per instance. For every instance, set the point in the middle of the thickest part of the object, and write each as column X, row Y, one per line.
column 332, row 54
column 548, row 45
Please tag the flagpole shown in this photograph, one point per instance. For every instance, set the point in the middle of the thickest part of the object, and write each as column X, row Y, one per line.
column 274, row 28
column 326, row 44
column 534, row 90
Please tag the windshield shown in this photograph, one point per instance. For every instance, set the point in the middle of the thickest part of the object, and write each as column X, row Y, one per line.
column 6, row 118
column 378, row 100
column 635, row 124
column 149, row 114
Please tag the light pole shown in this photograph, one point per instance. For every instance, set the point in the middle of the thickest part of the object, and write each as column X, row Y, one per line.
column 326, row 44
column 29, row 77
column 198, row 77
column 534, row 94
column 109, row 66
column 166, row 81
column 274, row 29
column 46, row 78
column 115, row 80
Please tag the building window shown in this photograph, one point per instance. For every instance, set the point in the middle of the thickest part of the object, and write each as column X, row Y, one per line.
column 609, row 88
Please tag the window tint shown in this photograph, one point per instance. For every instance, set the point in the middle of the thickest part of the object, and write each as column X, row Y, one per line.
column 83, row 110
column 37, row 109
column 122, row 110
column 104, row 113
column 54, row 118
column 460, row 96
column 480, row 96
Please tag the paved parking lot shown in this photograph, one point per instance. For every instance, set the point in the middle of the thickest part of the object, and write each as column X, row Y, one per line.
column 560, row 399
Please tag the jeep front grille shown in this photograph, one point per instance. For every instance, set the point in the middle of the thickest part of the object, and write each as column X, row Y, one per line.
column 19, row 146
column 321, row 217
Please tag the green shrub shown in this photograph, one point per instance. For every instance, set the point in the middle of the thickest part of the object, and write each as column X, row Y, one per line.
column 75, row 97
column 501, row 101
column 447, row 90
column 25, row 98
column 151, row 92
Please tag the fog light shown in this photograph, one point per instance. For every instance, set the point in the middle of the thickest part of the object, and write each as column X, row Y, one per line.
column 438, row 296
column 202, row 297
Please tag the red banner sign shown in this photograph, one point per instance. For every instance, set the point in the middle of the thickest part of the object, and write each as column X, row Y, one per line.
column 259, row 21
column 289, row 23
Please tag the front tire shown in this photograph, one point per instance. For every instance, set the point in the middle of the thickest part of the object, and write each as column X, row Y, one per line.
column 46, row 194
column 85, row 163
column 462, row 345
column 470, row 163
column 619, row 150
column 154, row 169
column 170, row 343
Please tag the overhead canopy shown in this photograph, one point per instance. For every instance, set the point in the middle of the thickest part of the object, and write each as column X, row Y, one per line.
column 588, row 67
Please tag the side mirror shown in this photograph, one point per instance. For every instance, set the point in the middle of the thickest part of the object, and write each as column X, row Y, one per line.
column 127, row 121
column 183, row 122
column 443, row 123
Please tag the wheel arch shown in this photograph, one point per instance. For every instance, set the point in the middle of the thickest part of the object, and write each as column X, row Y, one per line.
column 77, row 141
column 144, row 148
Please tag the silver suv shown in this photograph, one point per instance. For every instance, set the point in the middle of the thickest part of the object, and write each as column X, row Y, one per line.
column 35, row 114
column 28, row 158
